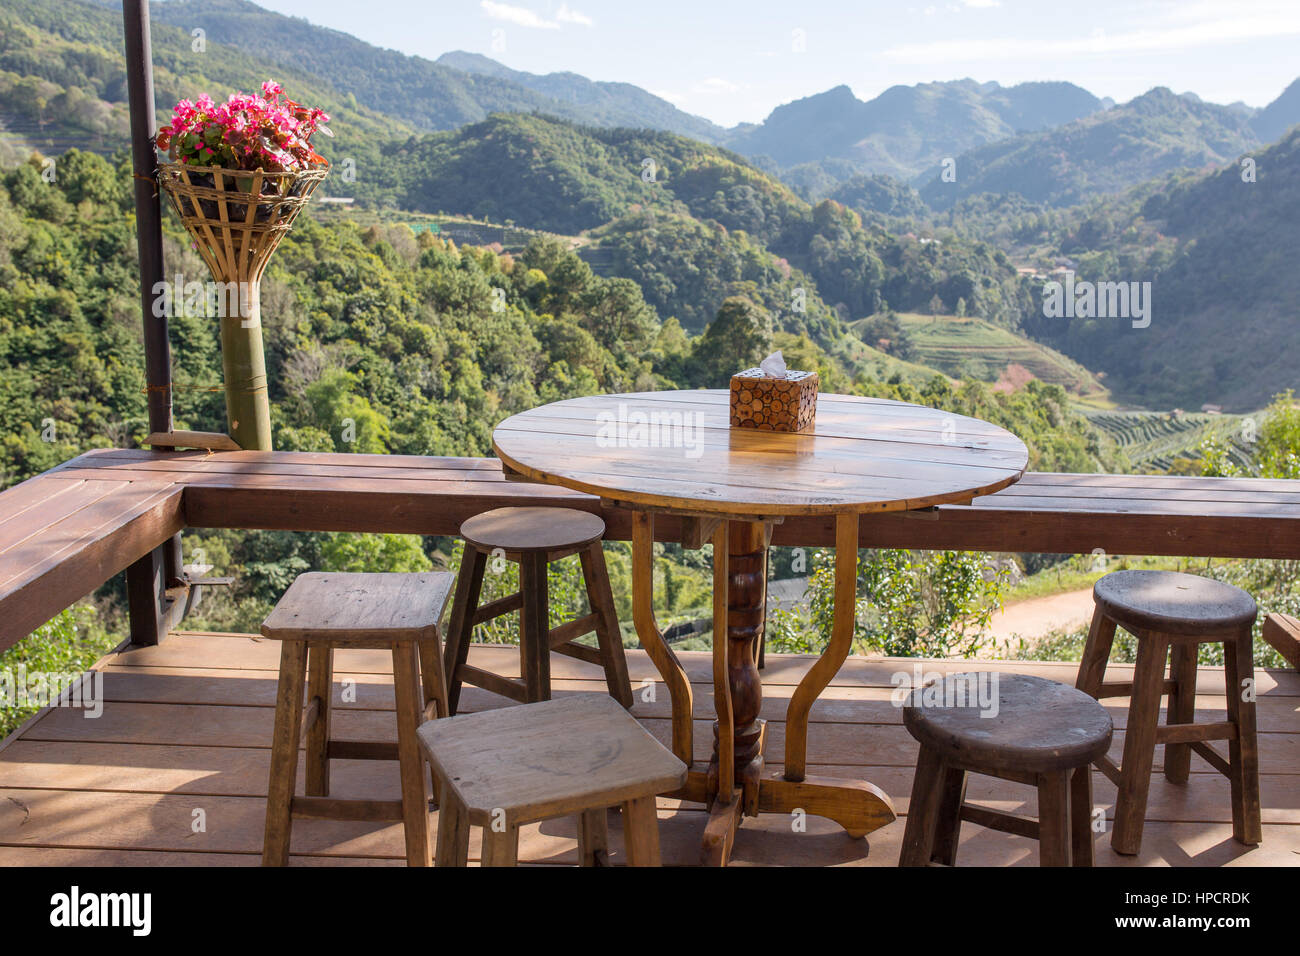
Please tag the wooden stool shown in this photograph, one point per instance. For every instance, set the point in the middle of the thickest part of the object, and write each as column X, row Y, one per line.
column 1043, row 734
column 1171, row 615
column 534, row 537
column 324, row 611
column 576, row 755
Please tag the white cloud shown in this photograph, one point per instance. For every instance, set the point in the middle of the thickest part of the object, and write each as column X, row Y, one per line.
column 567, row 14
column 519, row 16
column 716, row 84
column 713, row 86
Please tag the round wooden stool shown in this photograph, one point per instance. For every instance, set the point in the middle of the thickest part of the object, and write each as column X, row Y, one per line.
column 1171, row 615
column 322, row 611
column 579, row 755
column 1014, row 727
column 534, row 537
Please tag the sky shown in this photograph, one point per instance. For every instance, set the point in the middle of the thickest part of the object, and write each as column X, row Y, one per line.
column 734, row 62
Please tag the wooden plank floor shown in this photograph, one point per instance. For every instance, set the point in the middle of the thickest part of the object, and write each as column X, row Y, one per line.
column 185, row 728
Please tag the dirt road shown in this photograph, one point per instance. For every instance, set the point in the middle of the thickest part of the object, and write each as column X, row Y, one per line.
column 1037, row 616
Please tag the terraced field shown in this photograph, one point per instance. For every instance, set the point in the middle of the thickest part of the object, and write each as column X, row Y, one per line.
column 965, row 346
column 884, row 367
column 1153, row 441
column 461, row 230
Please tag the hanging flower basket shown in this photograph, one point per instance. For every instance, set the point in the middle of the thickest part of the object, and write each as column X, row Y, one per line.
column 240, row 173
column 236, row 217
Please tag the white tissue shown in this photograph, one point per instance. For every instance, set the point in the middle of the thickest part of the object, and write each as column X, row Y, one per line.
column 774, row 365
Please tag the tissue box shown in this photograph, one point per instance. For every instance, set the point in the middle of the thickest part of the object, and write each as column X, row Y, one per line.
column 773, row 404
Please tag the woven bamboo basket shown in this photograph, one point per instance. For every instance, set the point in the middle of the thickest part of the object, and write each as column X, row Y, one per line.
column 236, row 219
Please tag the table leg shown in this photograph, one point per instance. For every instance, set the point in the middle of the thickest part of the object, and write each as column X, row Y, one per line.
column 742, row 618
column 665, row 661
column 856, row 805
column 739, row 608
column 740, row 787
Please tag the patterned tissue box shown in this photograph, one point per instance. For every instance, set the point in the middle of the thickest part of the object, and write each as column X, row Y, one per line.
column 774, row 404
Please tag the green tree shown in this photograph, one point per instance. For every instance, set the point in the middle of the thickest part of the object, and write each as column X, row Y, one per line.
column 348, row 416
column 1276, row 445
column 738, row 338
column 910, row 604
column 373, row 552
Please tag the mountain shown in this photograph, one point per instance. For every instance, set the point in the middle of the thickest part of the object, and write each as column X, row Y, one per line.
column 1218, row 249
column 906, row 129
column 881, row 195
column 63, row 83
column 1279, row 116
column 545, row 173
column 1106, row 152
column 616, row 104
column 458, row 88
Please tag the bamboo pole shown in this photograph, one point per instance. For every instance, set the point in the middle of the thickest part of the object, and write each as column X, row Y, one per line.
column 236, row 225
column 248, row 406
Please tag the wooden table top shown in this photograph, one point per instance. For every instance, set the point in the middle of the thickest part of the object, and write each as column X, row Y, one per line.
column 677, row 451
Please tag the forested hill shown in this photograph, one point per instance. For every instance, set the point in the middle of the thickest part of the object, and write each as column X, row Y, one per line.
column 694, row 225
column 687, row 213
column 1219, row 250
column 406, row 339
column 63, row 83
column 1106, row 152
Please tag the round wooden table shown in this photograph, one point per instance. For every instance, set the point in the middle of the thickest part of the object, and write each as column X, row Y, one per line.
column 676, row 453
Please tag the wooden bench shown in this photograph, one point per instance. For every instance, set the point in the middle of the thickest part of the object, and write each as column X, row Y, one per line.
column 1282, row 631
column 65, row 532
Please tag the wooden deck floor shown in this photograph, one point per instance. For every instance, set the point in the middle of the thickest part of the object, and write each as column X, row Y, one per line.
column 186, row 725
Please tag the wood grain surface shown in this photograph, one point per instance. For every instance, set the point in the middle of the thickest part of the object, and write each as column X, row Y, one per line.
column 677, row 450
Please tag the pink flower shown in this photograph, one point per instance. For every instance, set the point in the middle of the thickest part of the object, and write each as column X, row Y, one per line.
column 269, row 131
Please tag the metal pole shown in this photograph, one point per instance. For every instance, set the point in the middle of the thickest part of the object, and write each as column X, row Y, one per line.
column 148, row 214
column 148, row 578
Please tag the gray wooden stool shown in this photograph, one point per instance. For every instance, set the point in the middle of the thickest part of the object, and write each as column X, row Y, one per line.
column 534, row 537
column 318, row 613
column 1044, row 734
column 1171, row 615
column 580, row 755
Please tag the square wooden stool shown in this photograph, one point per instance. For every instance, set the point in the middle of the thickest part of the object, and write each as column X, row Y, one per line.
column 320, row 612
column 580, row 755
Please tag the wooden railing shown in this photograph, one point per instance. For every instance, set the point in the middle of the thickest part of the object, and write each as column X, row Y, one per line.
column 64, row 533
